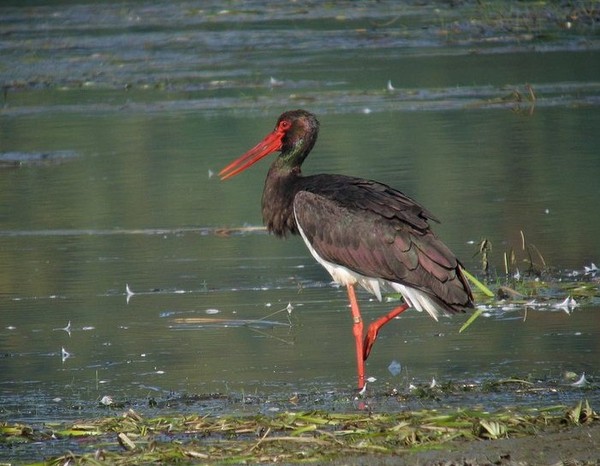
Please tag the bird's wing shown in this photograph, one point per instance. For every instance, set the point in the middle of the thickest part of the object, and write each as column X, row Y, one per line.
column 381, row 235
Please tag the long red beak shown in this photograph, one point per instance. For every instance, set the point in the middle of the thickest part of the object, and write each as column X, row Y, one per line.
column 268, row 145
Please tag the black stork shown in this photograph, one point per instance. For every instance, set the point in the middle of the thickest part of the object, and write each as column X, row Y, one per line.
column 363, row 232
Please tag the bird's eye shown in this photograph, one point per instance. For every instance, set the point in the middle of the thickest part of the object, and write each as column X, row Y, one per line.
column 284, row 125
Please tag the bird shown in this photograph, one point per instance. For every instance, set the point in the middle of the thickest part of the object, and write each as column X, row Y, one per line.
column 363, row 232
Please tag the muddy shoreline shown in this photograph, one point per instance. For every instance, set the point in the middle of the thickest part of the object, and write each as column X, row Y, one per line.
column 576, row 446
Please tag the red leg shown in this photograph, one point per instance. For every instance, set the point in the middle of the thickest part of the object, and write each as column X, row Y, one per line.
column 357, row 330
column 374, row 328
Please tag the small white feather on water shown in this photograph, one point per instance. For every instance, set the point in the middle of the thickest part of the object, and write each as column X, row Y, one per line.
column 582, row 382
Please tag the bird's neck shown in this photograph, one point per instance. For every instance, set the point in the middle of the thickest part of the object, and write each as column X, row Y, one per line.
column 281, row 186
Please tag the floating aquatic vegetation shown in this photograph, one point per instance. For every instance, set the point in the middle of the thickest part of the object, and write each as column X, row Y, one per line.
column 287, row 437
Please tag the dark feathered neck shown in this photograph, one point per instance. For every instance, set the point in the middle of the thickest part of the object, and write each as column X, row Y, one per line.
column 281, row 186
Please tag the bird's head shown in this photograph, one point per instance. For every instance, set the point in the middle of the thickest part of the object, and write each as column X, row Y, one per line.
column 294, row 136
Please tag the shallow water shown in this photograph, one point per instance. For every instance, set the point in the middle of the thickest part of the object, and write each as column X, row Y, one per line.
column 153, row 99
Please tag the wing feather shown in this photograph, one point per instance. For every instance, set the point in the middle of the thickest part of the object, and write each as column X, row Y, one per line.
column 380, row 233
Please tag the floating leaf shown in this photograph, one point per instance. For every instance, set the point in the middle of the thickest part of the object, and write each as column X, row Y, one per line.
column 493, row 429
